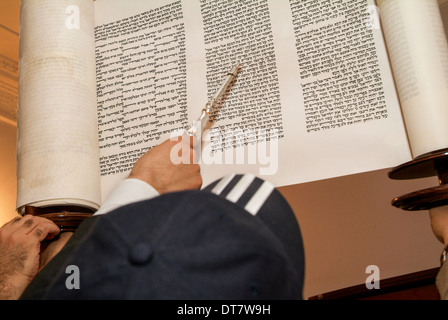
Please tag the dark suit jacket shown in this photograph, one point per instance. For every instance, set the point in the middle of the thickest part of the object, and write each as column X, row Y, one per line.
column 184, row 245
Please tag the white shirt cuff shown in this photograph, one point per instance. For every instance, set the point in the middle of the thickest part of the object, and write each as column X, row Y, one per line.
column 126, row 192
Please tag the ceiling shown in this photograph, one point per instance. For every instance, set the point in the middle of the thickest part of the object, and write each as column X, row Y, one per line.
column 9, row 57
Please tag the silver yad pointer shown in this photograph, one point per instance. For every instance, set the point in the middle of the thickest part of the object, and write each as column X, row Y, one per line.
column 200, row 123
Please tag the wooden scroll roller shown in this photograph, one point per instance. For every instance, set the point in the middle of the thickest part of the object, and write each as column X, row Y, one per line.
column 67, row 218
column 430, row 164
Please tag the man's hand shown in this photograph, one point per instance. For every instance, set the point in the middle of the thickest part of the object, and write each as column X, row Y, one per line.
column 160, row 167
column 20, row 241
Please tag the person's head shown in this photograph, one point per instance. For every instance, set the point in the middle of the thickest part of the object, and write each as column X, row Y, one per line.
column 224, row 242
